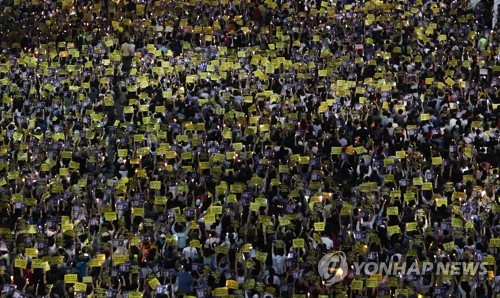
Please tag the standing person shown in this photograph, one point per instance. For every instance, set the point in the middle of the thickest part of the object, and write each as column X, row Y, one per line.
column 127, row 55
column 184, row 280
column 132, row 48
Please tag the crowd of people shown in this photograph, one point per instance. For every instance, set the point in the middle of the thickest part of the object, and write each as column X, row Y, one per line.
column 221, row 148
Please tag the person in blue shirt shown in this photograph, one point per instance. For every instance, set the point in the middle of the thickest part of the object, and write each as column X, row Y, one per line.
column 184, row 280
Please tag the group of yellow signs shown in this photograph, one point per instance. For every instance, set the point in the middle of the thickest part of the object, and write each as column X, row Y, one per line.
column 228, row 61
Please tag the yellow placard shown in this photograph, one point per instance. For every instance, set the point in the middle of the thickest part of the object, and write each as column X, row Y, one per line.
column 20, row 263
column 372, row 282
column 154, row 282
column 220, row 292
column 391, row 230
column 392, row 211
column 138, row 211
column 411, row 226
column 357, row 285
column 232, row 284
column 160, row 200
column 440, row 202
column 119, row 259
column 80, row 287
column 437, row 161
column 319, row 226
column 215, row 210
column 450, row 81
column 336, row 150
column 31, row 252
column 64, row 171
column 457, row 222
column 298, row 243
column 95, row 263
column 427, row 186
column 70, row 278
column 110, row 216
column 67, row 227
column 494, row 242
column 195, row 243
column 401, row 154
column 155, row 184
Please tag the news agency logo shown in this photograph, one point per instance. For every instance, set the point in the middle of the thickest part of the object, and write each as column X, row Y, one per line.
column 334, row 267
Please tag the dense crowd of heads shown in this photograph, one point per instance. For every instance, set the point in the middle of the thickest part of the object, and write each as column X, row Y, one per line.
column 223, row 148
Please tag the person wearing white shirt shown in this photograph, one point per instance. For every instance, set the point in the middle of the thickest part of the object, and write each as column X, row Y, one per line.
column 128, row 51
column 132, row 48
column 328, row 242
column 278, row 262
column 190, row 252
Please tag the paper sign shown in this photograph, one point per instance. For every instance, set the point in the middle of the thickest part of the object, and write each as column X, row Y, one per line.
column 31, row 252
column 220, row 292
column 37, row 263
column 159, row 200
column 372, row 282
column 457, row 223
column 391, row 230
column 449, row 246
column 70, row 278
column 67, row 227
column 392, row 211
column 154, row 282
column 319, row 226
column 80, row 287
column 64, row 171
column 110, row 216
column 357, row 285
column 494, row 242
column 95, row 263
column 232, row 284
column 298, row 243
column 411, row 226
column 195, row 243
column 138, row 211
column 261, row 256
column 155, row 184
column 336, row 150
column 215, row 209
column 122, row 153
column 440, row 202
column 119, row 259
column 437, row 161
column 20, row 263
